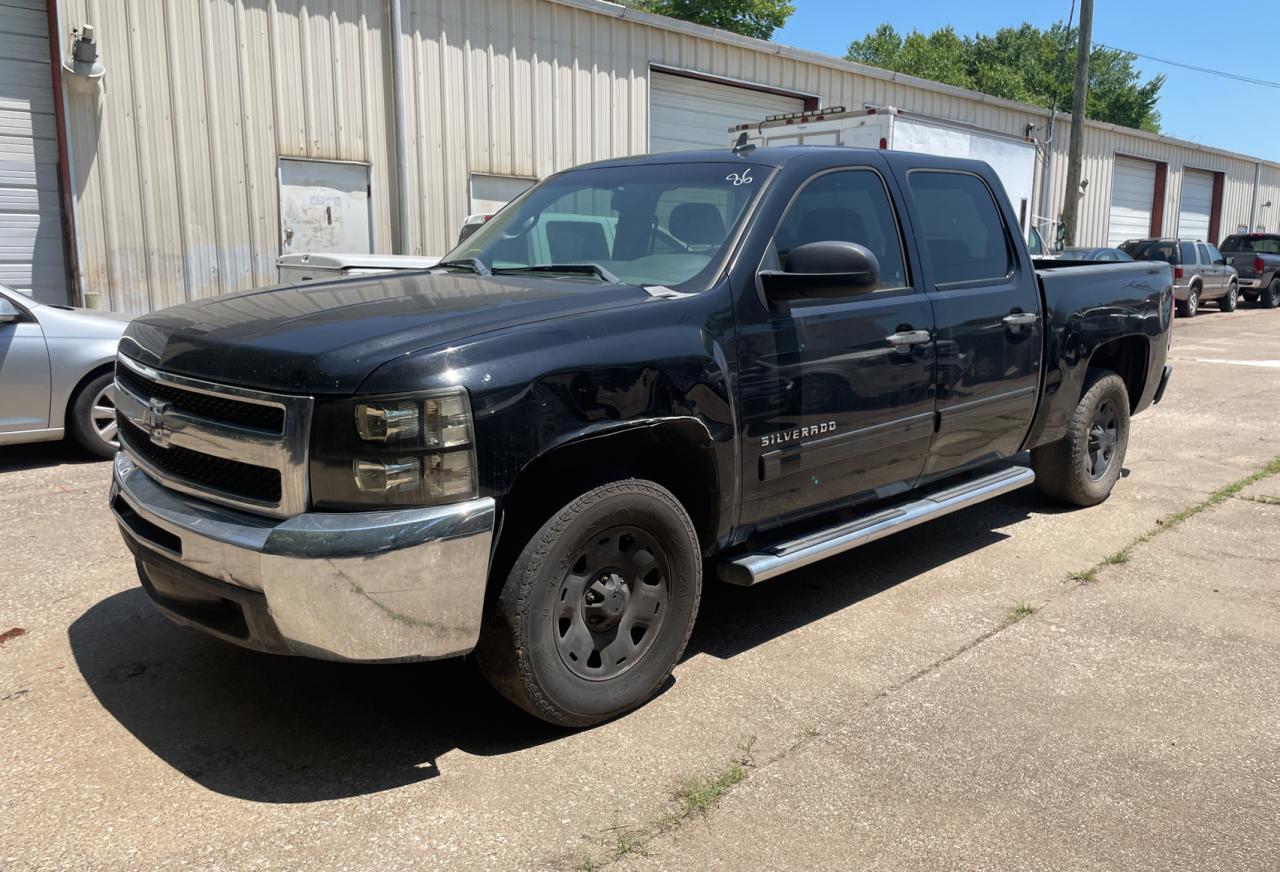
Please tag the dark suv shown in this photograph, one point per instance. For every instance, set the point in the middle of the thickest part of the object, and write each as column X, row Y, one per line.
column 1200, row 272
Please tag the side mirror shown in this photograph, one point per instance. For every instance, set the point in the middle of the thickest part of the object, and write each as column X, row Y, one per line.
column 819, row 270
column 9, row 313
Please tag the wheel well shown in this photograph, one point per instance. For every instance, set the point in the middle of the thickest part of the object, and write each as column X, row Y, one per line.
column 101, row 369
column 1127, row 358
column 676, row 454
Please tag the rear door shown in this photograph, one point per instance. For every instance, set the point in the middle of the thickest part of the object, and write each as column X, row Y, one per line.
column 986, row 305
column 836, row 393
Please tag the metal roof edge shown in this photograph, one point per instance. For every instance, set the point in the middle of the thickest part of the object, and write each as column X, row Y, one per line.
column 661, row 22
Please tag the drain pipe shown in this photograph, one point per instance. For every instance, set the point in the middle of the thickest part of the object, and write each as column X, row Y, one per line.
column 1253, row 203
column 404, row 244
column 1046, row 180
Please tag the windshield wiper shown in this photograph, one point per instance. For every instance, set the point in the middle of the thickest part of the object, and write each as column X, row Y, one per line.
column 584, row 269
column 475, row 264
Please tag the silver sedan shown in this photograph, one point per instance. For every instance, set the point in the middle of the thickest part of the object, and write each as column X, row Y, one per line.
column 56, row 366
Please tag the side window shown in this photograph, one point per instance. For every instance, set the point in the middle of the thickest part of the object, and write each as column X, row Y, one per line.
column 961, row 227
column 846, row 206
column 1205, row 258
column 1187, row 254
column 1214, row 254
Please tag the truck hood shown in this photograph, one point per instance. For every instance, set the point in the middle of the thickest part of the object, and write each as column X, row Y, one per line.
column 327, row 337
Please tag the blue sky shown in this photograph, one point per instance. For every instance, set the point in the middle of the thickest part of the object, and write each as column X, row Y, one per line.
column 1195, row 106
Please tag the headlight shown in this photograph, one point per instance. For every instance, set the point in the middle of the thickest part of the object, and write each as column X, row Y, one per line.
column 393, row 451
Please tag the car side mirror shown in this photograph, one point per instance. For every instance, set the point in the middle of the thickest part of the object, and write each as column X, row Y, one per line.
column 820, row 270
column 8, row 312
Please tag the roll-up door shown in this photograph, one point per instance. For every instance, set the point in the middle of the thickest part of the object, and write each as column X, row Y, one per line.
column 687, row 113
column 1133, row 188
column 1195, row 205
column 31, row 254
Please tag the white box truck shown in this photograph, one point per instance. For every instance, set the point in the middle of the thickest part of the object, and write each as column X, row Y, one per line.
column 1013, row 158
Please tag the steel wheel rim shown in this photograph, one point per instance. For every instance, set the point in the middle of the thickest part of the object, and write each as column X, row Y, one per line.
column 102, row 416
column 612, row 602
column 1104, row 435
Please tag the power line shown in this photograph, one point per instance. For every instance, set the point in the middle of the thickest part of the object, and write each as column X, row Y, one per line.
column 1236, row 76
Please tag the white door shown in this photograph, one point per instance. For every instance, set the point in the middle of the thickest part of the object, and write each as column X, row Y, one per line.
column 31, row 255
column 1195, row 204
column 687, row 113
column 1133, row 191
column 325, row 206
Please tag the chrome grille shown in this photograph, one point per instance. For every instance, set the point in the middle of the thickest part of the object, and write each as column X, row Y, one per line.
column 234, row 446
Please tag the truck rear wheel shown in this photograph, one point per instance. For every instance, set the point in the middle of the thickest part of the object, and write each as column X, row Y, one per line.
column 598, row 607
column 1082, row 467
column 1271, row 296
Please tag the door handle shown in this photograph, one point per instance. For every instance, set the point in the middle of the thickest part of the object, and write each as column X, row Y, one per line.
column 907, row 338
column 1020, row 319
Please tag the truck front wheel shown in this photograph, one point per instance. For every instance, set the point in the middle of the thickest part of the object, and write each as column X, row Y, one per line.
column 1082, row 467
column 597, row 609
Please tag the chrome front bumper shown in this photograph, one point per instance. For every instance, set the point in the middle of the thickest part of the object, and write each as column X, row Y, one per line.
column 407, row 584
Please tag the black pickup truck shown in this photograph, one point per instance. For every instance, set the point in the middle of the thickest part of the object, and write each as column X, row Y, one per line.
column 733, row 361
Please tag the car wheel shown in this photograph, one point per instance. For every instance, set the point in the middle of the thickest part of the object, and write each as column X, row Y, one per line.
column 92, row 420
column 1082, row 467
column 597, row 608
column 1231, row 300
column 1187, row 308
column 1271, row 296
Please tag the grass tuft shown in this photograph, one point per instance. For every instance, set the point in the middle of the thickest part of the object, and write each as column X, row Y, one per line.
column 1018, row 612
column 1085, row 576
column 631, row 844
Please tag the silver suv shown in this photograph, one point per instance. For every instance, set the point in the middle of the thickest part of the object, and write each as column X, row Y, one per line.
column 1200, row 272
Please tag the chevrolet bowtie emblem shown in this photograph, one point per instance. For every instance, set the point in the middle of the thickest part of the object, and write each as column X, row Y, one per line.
column 153, row 422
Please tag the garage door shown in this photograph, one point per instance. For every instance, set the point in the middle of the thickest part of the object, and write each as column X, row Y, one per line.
column 31, row 257
column 1195, row 205
column 1133, row 189
column 687, row 113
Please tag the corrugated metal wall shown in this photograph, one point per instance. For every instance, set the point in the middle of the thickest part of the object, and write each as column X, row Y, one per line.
column 173, row 163
column 173, row 160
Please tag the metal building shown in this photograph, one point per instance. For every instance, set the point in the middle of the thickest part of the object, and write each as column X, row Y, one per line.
column 225, row 132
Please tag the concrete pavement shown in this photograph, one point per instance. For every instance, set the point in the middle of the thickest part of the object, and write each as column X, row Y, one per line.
column 894, row 718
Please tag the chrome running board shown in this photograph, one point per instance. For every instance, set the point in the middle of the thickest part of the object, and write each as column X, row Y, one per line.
column 758, row 566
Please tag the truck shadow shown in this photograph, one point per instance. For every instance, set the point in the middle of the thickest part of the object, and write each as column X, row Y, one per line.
column 282, row 729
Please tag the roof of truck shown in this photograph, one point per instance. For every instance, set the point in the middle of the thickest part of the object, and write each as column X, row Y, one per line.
column 779, row 156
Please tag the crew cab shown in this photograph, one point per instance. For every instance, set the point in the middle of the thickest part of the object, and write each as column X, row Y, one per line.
column 777, row 355
column 1256, row 257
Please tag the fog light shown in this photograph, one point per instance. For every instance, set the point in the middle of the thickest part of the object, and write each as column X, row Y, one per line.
column 447, row 421
column 449, row 475
column 379, row 476
column 388, row 422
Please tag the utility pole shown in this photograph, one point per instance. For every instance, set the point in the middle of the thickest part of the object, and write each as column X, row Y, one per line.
column 1075, row 156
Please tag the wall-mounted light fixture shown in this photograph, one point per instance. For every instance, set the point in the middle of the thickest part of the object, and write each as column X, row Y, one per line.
column 84, row 70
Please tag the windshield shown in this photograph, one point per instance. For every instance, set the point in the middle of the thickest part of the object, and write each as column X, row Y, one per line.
column 1254, row 244
column 656, row 224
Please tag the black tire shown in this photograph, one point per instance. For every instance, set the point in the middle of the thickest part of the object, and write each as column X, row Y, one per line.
column 584, row 583
column 1071, row 470
column 87, row 407
column 1231, row 300
column 1271, row 296
column 1191, row 305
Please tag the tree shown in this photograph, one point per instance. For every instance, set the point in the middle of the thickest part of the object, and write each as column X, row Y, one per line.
column 758, row 18
column 1024, row 63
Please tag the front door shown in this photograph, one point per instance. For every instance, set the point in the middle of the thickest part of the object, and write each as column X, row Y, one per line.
column 836, row 394
column 24, row 374
column 986, row 304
